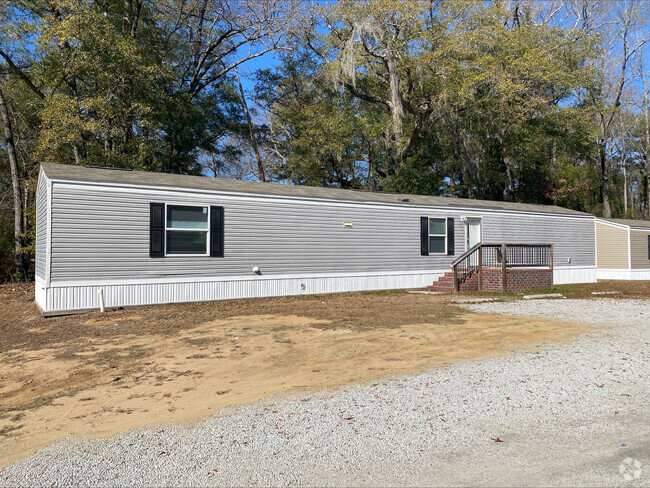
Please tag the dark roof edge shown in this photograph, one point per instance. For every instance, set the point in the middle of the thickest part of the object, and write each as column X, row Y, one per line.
column 166, row 180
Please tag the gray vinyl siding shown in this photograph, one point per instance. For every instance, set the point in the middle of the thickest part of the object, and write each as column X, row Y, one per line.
column 41, row 227
column 572, row 238
column 103, row 234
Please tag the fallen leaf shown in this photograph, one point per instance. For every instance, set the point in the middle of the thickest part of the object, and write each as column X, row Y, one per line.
column 495, row 440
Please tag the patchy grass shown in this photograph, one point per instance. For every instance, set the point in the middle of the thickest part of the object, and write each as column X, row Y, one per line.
column 22, row 326
column 625, row 289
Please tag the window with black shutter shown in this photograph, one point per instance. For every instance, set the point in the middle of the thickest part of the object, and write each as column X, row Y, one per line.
column 156, row 230
column 216, row 232
column 436, row 236
column 185, row 230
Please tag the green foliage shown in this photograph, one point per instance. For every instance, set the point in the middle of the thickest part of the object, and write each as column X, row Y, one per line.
column 478, row 99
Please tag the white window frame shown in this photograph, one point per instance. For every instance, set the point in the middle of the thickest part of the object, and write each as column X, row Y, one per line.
column 429, row 234
column 207, row 231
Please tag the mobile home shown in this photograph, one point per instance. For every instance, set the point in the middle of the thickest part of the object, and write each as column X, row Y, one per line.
column 119, row 238
column 623, row 249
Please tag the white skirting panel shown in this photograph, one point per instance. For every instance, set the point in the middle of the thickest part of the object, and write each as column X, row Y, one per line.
column 568, row 275
column 623, row 274
column 39, row 292
column 640, row 274
column 70, row 298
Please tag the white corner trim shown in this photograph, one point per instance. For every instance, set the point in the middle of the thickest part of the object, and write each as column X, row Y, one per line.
column 629, row 250
column 48, row 251
column 596, row 242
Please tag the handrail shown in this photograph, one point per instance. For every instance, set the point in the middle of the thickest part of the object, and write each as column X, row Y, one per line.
column 467, row 253
column 504, row 256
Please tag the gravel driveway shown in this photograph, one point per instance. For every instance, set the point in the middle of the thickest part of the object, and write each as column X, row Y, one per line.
column 573, row 414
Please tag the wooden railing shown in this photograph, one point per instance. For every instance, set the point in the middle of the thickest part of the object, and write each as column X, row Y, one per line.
column 492, row 256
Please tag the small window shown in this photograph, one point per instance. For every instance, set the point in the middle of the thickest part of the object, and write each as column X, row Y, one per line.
column 187, row 230
column 437, row 236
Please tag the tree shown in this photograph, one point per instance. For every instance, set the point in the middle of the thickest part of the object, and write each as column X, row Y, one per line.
column 130, row 83
column 445, row 89
column 21, row 260
column 620, row 42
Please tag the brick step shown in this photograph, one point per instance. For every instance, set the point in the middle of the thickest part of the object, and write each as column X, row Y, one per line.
column 440, row 286
column 445, row 283
column 445, row 280
column 441, row 289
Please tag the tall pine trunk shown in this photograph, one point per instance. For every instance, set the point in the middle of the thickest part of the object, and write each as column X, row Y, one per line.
column 21, row 260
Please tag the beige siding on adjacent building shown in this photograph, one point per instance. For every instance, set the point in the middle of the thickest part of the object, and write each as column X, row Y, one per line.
column 639, row 249
column 611, row 247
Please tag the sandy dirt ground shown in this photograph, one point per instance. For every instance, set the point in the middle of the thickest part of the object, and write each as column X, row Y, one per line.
column 100, row 374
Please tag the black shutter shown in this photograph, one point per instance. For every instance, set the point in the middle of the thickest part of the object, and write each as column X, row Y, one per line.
column 424, row 236
column 450, row 236
column 216, row 232
column 156, row 230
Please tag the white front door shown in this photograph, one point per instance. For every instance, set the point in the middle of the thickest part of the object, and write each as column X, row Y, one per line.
column 473, row 234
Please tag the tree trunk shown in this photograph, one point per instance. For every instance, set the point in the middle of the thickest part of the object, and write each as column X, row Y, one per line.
column 646, row 149
column 19, row 255
column 624, row 164
column 604, row 188
column 260, row 164
column 397, row 108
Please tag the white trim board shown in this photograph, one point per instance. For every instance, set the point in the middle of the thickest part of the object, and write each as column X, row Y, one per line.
column 629, row 250
column 611, row 224
column 48, row 251
column 623, row 226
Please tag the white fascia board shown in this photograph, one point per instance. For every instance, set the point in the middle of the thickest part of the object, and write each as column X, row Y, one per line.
column 612, row 224
column 230, row 195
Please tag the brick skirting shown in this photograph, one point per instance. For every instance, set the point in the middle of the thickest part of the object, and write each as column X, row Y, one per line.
column 517, row 279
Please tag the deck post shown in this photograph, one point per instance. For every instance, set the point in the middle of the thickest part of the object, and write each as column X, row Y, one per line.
column 480, row 268
column 456, row 285
column 504, row 287
column 551, row 264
